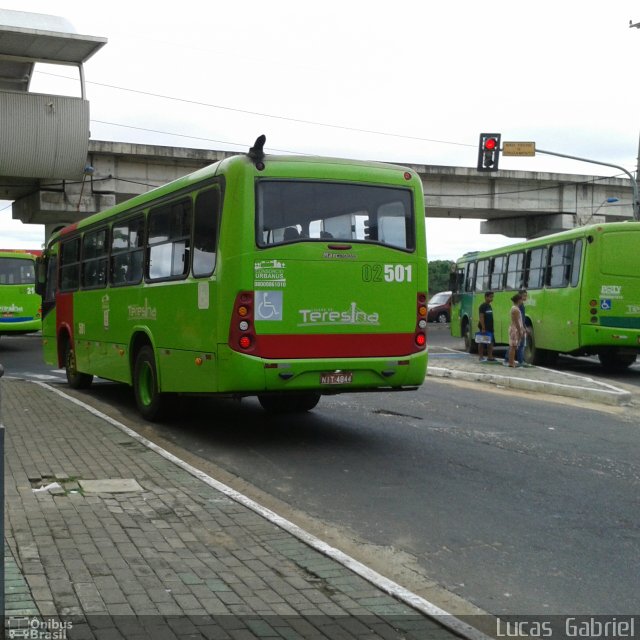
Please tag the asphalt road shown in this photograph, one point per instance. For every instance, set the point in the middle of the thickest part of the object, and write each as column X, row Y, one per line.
column 514, row 503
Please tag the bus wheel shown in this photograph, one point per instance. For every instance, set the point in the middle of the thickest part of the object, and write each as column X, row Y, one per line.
column 285, row 403
column 145, row 384
column 615, row 360
column 535, row 355
column 469, row 343
column 75, row 379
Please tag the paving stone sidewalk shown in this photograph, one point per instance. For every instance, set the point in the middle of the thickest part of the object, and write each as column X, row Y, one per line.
column 174, row 559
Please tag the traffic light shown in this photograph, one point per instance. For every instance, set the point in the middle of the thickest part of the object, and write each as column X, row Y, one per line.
column 488, row 152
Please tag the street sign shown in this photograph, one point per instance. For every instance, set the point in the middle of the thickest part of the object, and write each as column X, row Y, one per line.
column 518, row 148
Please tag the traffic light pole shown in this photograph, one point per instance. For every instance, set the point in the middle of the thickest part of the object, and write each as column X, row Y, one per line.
column 634, row 184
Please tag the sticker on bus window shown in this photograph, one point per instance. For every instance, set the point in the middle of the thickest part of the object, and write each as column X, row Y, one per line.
column 268, row 305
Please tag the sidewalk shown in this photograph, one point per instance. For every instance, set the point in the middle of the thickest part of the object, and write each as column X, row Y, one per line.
column 464, row 366
column 129, row 544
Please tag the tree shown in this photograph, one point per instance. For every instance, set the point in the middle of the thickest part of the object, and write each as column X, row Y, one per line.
column 439, row 271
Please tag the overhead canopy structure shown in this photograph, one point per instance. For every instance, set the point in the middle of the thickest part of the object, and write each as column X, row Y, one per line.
column 27, row 38
column 44, row 136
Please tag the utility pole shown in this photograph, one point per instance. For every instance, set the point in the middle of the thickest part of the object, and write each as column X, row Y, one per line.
column 638, row 165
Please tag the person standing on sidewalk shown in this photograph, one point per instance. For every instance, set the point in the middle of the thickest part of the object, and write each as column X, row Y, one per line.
column 523, row 343
column 516, row 329
column 524, row 294
column 485, row 325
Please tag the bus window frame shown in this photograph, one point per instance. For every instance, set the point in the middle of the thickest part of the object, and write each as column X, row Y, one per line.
column 470, row 277
column 576, row 265
column 171, row 240
column 485, row 278
column 370, row 226
column 564, row 267
column 497, row 286
column 519, row 271
column 64, row 243
column 217, row 189
column 96, row 259
column 542, row 269
column 128, row 251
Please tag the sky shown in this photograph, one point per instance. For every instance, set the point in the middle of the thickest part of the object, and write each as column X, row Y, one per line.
column 412, row 82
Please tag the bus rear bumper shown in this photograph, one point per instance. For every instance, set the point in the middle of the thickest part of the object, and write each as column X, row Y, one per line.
column 595, row 337
column 11, row 326
column 241, row 373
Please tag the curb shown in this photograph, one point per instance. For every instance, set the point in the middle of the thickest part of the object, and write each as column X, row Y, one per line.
column 607, row 395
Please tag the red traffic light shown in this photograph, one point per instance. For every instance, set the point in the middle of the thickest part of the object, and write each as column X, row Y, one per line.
column 490, row 144
column 488, row 152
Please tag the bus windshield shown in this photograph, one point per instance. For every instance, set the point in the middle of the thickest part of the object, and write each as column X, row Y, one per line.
column 290, row 211
column 17, row 271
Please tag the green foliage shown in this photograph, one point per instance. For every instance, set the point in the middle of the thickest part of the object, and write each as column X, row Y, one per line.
column 439, row 271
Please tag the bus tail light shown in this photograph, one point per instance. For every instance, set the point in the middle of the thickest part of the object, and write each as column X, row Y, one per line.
column 242, row 335
column 420, row 336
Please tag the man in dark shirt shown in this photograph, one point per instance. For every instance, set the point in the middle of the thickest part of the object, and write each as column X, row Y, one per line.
column 485, row 324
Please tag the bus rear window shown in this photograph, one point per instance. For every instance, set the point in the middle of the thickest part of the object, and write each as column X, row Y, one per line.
column 16, row 271
column 290, row 211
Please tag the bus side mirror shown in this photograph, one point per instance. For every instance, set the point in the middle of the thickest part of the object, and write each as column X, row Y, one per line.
column 41, row 275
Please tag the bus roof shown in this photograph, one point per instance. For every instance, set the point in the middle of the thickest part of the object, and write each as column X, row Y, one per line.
column 27, row 254
column 578, row 232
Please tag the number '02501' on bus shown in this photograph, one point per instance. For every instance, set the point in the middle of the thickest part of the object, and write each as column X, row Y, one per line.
column 281, row 277
column 583, row 293
column 19, row 302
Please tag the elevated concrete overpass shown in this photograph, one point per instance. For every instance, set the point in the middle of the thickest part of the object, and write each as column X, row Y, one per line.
column 513, row 203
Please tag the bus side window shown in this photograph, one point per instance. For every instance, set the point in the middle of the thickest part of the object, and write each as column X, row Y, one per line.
column 205, row 232
column 51, row 281
column 127, row 251
column 482, row 275
column 497, row 273
column 559, row 270
column 70, row 265
column 94, row 259
column 470, row 276
column 515, row 271
column 536, row 263
column 169, row 240
column 577, row 262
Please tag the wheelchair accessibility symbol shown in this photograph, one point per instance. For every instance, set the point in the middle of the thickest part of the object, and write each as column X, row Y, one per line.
column 269, row 305
column 605, row 304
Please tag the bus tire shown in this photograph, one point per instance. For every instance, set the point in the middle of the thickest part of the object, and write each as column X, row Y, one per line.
column 537, row 356
column 615, row 361
column 75, row 379
column 149, row 400
column 469, row 343
column 289, row 403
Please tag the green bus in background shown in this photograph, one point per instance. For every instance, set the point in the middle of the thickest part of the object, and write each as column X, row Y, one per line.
column 584, row 293
column 19, row 302
column 281, row 277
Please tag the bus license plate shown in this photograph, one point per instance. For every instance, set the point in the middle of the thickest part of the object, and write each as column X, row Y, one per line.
column 342, row 377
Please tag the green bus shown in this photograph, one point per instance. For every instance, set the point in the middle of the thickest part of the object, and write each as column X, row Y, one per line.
column 584, row 293
column 19, row 302
column 276, row 276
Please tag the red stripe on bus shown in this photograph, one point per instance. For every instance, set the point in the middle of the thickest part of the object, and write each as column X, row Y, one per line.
column 366, row 345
